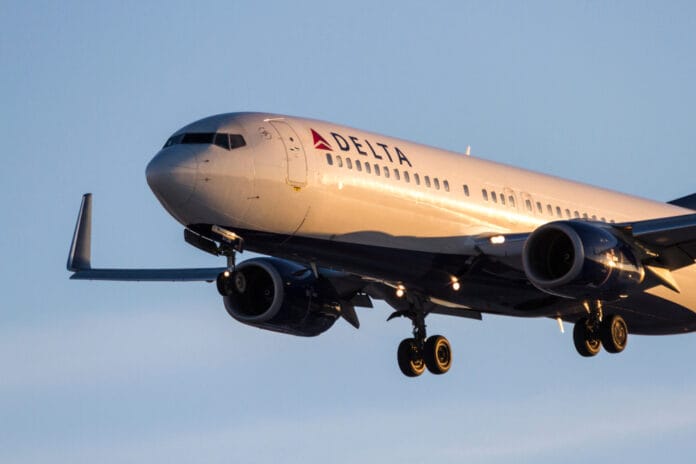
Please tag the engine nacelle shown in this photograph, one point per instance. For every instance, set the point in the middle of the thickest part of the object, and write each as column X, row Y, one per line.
column 282, row 296
column 581, row 260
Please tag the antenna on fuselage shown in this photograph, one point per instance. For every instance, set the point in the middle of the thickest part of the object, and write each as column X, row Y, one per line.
column 468, row 150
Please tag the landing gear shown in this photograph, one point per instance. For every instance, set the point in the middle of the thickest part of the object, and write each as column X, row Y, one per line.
column 585, row 339
column 592, row 332
column 438, row 354
column 410, row 358
column 614, row 334
column 230, row 281
column 420, row 352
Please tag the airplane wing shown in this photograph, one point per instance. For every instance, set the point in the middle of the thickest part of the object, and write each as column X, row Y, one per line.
column 79, row 259
column 672, row 239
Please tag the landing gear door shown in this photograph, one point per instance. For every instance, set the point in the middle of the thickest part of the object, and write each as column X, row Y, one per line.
column 297, row 161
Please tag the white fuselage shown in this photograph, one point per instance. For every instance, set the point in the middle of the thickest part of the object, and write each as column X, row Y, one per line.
column 310, row 178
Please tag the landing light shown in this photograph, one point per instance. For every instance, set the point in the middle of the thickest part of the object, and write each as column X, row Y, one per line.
column 400, row 291
column 497, row 239
column 455, row 284
column 226, row 273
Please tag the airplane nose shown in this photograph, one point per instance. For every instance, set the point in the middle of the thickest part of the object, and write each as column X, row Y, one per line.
column 172, row 175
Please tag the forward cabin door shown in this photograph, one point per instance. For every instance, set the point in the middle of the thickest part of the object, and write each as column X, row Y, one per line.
column 296, row 158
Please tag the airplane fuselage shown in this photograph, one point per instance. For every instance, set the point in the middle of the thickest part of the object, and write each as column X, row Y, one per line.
column 360, row 202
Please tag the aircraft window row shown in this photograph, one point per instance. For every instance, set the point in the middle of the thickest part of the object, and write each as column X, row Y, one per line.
column 532, row 206
column 387, row 172
column 226, row 141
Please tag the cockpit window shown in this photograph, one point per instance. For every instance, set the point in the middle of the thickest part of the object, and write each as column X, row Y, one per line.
column 198, row 137
column 236, row 141
column 223, row 140
column 173, row 140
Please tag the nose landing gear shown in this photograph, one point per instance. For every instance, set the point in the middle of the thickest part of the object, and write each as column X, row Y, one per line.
column 230, row 281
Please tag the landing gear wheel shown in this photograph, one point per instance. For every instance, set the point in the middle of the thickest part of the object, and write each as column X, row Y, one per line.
column 410, row 358
column 614, row 334
column 586, row 341
column 437, row 354
column 224, row 283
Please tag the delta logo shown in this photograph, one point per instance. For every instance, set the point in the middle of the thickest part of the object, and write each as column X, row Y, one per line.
column 363, row 147
column 320, row 142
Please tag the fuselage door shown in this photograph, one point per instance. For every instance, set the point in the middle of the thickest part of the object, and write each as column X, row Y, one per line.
column 297, row 162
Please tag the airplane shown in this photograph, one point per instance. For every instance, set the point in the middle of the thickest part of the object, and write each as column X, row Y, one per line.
column 346, row 217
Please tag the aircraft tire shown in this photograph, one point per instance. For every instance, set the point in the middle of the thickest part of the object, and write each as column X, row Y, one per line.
column 437, row 354
column 586, row 343
column 410, row 358
column 614, row 334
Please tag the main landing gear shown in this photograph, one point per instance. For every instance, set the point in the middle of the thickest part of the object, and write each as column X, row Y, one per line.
column 596, row 330
column 420, row 352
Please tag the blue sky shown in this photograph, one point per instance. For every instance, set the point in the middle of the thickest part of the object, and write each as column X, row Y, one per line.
column 601, row 92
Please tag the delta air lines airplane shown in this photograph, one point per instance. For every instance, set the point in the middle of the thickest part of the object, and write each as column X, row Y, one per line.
column 346, row 217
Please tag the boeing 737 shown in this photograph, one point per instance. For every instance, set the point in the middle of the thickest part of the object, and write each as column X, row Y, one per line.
column 346, row 217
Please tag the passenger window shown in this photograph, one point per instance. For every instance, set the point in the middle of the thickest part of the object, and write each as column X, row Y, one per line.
column 528, row 204
column 585, row 216
column 339, row 161
column 386, row 172
column 407, row 178
column 222, row 140
column 604, row 219
column 329, row 159
column 494, row 197
column 436, row 182
column 466, row 189
column 594, row 217
column 349, row 163
column 358, row 165
column 377, row 169
column 236, row 141
column 567, row 213
column 416, row 177
column 502, row 199
column 576, row 214
column 511, row 200
column 446, row 185
column 396, row 174
column 559, row 213
column 540, row 210
column 427, row 181
column 484, row 192
column 549, row 209
column 368, row 168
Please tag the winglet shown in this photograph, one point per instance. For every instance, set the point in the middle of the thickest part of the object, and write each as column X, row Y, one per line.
column 79, row 258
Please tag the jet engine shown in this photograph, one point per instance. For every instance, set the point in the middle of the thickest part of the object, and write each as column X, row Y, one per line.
column 581, row 260
column 280, row 296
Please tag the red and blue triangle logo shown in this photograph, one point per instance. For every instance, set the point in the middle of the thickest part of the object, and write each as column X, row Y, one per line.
column 320, row 142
